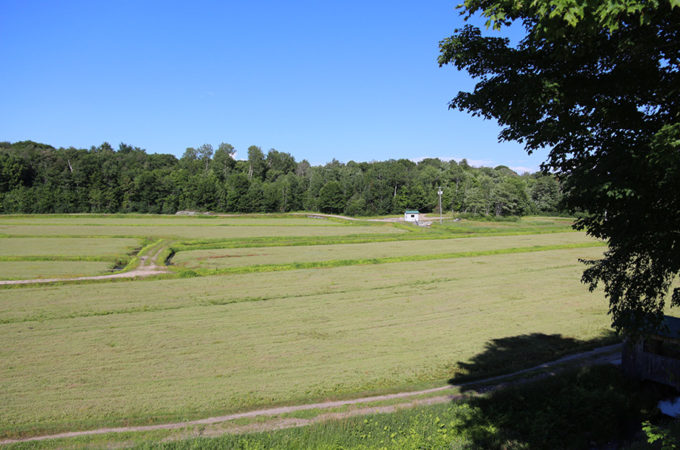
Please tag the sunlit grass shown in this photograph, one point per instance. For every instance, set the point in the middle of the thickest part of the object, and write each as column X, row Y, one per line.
column 237, row 257
column 22, row 270
column 191, row 232
column 20, row 247
column 162, row 350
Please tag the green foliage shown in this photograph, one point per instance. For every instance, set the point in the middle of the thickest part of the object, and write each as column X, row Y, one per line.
column 412, row 429
column 551, row 16
column 545, row 195
column 257, row 166
column 331, row 198
column 596, row 83
column 36, row 178
column 660, row 435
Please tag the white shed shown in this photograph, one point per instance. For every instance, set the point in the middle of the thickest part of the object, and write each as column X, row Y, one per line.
column 411, row 216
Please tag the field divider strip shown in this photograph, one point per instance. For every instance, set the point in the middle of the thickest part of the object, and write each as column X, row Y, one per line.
column 385, row 260
column 216, row 244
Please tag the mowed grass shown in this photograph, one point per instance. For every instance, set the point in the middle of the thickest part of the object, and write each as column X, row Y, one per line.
column 529, row 224
column 24, row 270
column 237, row 257
column 153, row 351
column 40, row 257
column 258, row 226
column 158, row 220
column 109, row 247
column 193, row 232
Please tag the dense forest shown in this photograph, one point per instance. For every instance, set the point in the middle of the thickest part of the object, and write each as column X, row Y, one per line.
column 38, row 178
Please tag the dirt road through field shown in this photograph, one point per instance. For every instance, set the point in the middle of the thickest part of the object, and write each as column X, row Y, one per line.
column 603, row 355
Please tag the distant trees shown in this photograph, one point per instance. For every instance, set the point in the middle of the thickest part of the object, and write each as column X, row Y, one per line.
column 37, row 178
column 331, row 198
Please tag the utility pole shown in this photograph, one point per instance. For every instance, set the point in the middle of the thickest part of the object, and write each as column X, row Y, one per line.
column 440, row 192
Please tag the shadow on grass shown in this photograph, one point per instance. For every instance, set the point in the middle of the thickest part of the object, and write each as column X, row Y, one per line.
column 580, row 407
column 588, row 407
column 511, row 354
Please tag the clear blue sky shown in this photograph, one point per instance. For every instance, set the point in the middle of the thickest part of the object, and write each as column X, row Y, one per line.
column 351, row 80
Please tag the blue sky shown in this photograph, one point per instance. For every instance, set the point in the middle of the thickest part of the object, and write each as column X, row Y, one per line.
column 350, row 80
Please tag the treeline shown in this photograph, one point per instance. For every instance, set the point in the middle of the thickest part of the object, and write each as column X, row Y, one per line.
column 37, row 178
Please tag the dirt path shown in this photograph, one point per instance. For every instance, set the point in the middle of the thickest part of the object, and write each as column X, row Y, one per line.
column 603, row 355
column 147, row 266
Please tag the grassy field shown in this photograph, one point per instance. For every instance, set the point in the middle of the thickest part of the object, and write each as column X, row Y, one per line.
column 49, row 257
column 78, row 356
column 172, row 221
column 190, row 231
column 221, row 258
column 110, row 247
column 525, row 225
column 582, row 408
column 24, row 270
column 546, row 414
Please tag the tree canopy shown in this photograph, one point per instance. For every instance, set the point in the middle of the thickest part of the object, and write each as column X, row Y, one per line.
column 597, row 82
column 37, row 178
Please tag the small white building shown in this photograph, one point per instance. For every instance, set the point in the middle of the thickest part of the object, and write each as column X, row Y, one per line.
column 411, row 216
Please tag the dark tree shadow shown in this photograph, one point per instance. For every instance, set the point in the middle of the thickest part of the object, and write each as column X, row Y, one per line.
column 588, row 407
column 580, row 407
column 512, row 354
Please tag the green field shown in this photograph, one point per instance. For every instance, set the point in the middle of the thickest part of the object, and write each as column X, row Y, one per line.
column 22, row 270
column 24, row 258
column 172, row 221
column 235, row 257
column 190, row 232
column 80, row 356
column 66, row 247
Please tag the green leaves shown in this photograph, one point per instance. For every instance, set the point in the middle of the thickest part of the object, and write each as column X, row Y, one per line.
column 546, row 14
column 595, row 82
